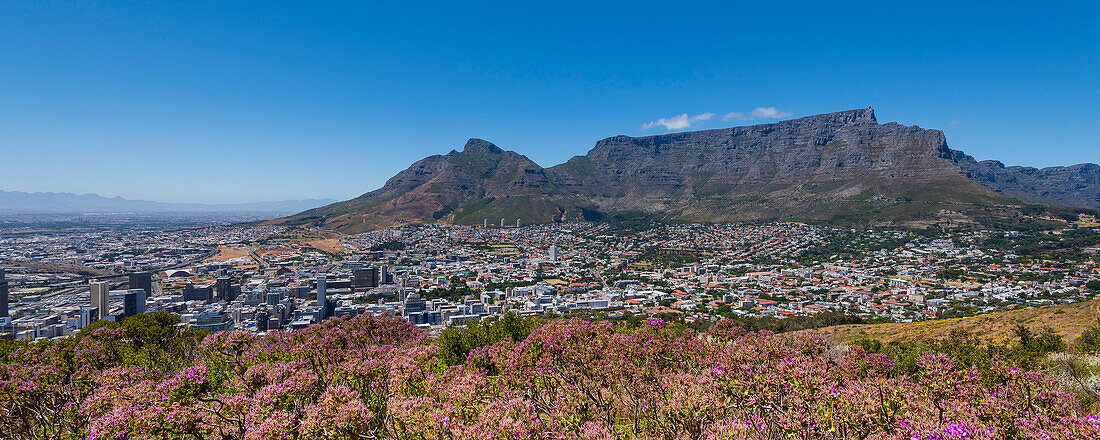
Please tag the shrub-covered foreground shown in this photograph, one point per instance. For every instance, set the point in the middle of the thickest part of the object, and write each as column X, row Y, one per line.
column 380, row 377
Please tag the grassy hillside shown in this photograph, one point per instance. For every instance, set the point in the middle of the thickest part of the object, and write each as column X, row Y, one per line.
column 1067, row 320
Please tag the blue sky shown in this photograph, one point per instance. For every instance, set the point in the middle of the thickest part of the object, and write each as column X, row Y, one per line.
column 219, row 102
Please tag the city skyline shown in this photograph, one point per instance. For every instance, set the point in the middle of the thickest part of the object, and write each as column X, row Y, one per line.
column 198, row 103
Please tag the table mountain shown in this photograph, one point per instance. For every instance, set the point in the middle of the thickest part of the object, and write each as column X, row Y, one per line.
column 842, row 167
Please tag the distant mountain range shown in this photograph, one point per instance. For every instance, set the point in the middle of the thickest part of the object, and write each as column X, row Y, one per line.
column 15, row 202
column 841, row 167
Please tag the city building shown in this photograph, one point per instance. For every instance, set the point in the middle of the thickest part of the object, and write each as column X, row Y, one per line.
column 143, row 281
column 100, row 296
column 366, row 278
column 322, row 299
column 3, row 294
column 223, row 288
column 133, row 302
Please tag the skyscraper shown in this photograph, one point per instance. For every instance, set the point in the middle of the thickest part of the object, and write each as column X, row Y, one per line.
column 366, row 278
column 384, row 275
column 100, row 297
column 143, row 281
column 88, row 315
column 133, row 302
column 3, row 295
column 322, row 301
column 262, row 320
column 223, row 289
column 553, row 252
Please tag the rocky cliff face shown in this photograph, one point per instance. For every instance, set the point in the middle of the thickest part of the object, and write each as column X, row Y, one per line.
column 773, row 169
column 1075, row 185
column 841, row 166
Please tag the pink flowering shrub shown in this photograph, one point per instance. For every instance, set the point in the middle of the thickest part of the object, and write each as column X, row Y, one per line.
column 381, row 377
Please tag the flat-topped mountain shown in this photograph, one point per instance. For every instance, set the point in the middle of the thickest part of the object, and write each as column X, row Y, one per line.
column 842, row 166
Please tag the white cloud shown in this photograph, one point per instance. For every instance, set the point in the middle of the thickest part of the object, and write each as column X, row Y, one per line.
column 683, row 121
column 953, row 122
column 678, row 122
column 734, row 115
column 769, row 113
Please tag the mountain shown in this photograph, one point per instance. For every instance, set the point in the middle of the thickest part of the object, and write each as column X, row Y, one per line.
column 842, row 167
column 481, row 181
column 16, row 202
column 1075, row 185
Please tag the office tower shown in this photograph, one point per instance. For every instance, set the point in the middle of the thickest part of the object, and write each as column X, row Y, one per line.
column 518, row 223
column 384, row 275
column 224, row 289
column 100, row 295
column 322, row 301
column 553, row 252
column 3, row 295
column 133, row 302
column 142, row 298
column 261, row 320
column 192, row 293
column 88, row 315
column 486, row 223
column 414, row 304
column 502, row 223
column 365, row 278
column 143, row 281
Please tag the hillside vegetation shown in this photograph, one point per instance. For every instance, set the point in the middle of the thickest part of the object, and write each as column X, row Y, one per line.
column 379, row 377
column 1067, row 320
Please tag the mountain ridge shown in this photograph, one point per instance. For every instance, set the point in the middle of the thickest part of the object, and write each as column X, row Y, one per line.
column 842, row 166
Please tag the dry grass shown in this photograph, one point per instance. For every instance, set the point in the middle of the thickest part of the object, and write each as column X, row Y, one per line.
column 276, row 252
column 1068, row 320
column 330, row 245
column 229, row 252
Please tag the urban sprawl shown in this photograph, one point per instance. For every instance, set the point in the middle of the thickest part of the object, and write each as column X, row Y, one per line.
column 275, row 278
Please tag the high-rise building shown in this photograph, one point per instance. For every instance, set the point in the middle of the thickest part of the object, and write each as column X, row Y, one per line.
column 133, row 302
column 100, row 295
column 553, row 252
column 486, row 223
column 262, row 320
column 518, row 223
column 366, row 278
column 322, row 300
column 3, row 295
column 223, row 288
column 414, row 304
column 143, row 281
column 192, row 293
column 502, row 222
column 88, row 315
column 384, row 275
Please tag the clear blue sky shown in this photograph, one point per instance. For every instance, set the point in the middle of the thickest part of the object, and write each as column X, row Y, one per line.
column 219, row 102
